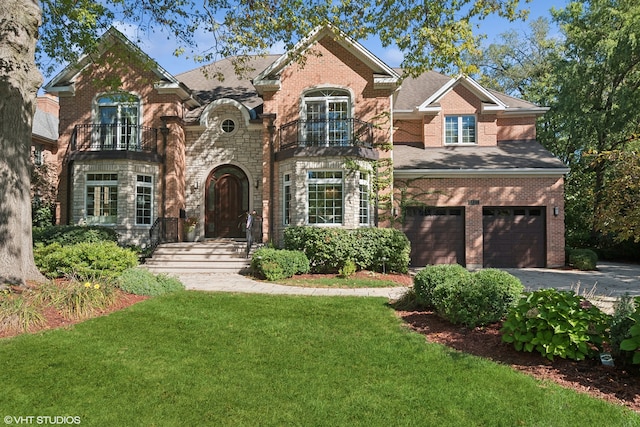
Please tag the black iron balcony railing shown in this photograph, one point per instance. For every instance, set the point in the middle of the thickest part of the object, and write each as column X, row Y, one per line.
column 116, row 137
column 326, row 133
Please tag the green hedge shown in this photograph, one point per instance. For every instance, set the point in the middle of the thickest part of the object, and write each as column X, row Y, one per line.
column 71, row 234
column 369, row 248
column 470, row 299
column 582, row 259
column 139, row 281
column 275, row 264
column 85, row 261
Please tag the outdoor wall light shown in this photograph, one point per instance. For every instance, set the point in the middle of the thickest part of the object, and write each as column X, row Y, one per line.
column 556, row 211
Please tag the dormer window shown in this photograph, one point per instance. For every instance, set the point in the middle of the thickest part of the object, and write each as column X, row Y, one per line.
column 460, row 130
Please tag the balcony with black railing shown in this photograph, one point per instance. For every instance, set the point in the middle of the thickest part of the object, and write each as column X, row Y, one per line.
column 326, row 137
column 113, row 141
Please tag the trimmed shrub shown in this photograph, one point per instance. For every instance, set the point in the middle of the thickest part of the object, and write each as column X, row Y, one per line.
column 85, row 261
column 470, row 299
column 437, row 276
column 485, row 299
column 556, row 323
column 72, row 234
column 276, row 264
column 139, row 281
column 369, row 248
column 583, row 259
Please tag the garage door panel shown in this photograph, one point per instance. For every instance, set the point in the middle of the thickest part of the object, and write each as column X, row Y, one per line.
column 436, row 235
column 514, row 237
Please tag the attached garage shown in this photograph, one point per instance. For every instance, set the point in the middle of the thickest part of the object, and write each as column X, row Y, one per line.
column 436, row 235
column 514, row 237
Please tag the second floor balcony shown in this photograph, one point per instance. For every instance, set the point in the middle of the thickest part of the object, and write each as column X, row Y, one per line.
column 113, row 141
column 326, row 137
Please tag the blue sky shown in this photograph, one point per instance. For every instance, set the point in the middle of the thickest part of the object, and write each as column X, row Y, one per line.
column 161, row 49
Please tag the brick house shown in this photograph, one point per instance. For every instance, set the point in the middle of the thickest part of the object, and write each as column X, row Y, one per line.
column 337, row 140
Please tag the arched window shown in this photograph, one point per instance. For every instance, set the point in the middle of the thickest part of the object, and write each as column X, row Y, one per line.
column 327, row 118
column 118, row 116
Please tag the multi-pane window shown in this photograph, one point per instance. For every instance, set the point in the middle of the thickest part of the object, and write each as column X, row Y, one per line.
column 37, row 154
column 144, row 199
column 460, row 130
column 102, row 198
column 119, row 119
column 327, row 118
column 364, row 198
column 325, row 199
column 286, row 191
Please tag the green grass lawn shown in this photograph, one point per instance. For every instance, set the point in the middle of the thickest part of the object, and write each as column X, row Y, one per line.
column 331, row 281
column 206, row 359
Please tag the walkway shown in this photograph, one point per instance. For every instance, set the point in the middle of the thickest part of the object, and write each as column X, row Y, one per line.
column 611, row 280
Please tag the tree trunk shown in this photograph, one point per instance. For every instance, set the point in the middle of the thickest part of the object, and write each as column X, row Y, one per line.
column 19, row 83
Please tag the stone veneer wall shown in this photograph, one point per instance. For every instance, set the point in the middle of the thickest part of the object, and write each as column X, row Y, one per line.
column 298, row 168
column 208, row 147
column 127, row 170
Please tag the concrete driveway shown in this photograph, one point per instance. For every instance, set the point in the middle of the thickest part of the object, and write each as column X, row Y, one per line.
column 610, row 279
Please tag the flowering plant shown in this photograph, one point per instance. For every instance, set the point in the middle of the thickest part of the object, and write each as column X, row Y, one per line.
column 191, row 222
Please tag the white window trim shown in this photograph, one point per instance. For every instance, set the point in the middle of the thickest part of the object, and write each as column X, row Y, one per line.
column 146, row 185
column 286, row 183
column 103, row 183
column 366, row 182
column 325, row 181
column 460, row 130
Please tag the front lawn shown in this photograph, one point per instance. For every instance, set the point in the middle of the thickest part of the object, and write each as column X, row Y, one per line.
column 193, row 358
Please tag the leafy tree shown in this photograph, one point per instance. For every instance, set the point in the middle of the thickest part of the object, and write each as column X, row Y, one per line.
column 598, row 80
column 430, row 33
column 591, row 79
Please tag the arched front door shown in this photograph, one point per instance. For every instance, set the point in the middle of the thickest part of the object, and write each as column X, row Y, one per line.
column 227, row 199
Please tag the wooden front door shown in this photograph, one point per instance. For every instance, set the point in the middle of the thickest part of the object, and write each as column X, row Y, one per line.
column 227, row 200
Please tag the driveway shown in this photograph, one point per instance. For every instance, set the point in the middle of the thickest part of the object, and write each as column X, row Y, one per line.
column 610, row 279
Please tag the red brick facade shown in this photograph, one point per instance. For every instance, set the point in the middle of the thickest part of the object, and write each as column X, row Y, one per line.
column 192, row 145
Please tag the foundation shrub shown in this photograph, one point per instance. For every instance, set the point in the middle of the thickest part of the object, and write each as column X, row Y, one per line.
column 275, row 264
column 583, row 259
column 72, row 234
column 84, row 260
column 556, row 323
column 469, row 299
column 369, row 248
column 139, row 281
column 348, row 269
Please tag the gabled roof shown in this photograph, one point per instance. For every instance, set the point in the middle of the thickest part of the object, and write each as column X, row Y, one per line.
column 422, row 95
column 64, row 82
column 384, row 76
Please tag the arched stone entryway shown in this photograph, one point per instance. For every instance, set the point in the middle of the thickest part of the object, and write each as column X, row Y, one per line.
column 226, row 201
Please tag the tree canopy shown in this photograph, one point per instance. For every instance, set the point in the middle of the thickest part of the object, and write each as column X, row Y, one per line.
column 590, row 78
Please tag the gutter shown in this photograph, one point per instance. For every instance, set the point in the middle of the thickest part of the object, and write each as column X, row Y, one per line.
column 482, row 173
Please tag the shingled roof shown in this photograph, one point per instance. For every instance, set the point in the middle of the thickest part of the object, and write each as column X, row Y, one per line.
column 521, row 157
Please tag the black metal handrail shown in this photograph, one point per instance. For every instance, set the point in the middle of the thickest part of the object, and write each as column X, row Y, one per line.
column 163, row 230
column 114, row 137
column 326, row 133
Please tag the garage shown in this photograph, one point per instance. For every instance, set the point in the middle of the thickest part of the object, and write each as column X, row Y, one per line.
column 514, row 237
column 436, row 235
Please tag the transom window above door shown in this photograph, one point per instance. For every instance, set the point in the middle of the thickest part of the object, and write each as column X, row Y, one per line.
column 327, row 118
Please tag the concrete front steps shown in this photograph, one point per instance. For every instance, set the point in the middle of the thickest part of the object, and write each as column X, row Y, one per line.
column 210, row 256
